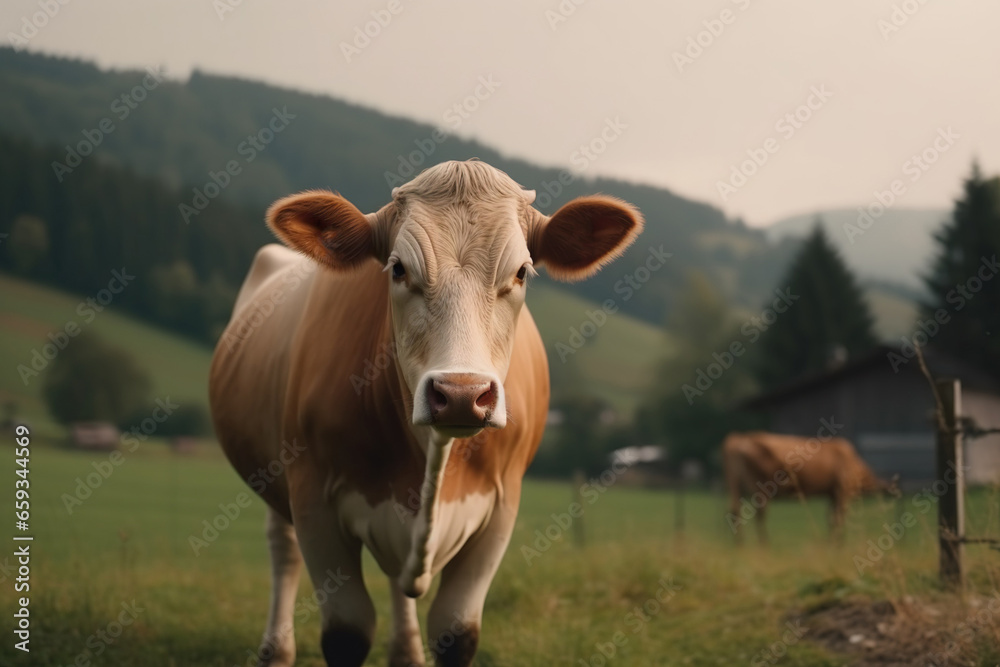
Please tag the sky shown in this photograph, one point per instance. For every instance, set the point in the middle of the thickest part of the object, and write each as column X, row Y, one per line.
column 763, row 108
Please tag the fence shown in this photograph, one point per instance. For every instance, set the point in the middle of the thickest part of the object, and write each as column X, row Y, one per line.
column 951, row 429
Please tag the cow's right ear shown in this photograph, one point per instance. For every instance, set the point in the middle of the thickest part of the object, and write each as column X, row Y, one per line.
column 329, row 229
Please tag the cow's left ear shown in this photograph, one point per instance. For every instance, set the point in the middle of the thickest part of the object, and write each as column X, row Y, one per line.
column 583, row 236
column 329, row 229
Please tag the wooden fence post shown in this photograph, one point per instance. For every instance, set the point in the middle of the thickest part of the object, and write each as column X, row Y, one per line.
column 579, row 479
column 951, row 506
column 679, row 510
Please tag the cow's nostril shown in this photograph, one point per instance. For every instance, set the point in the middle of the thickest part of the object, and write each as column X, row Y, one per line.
column 438, row 400
column 487, row 398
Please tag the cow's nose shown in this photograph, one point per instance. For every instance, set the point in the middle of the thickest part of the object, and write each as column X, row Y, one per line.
column 461, row 399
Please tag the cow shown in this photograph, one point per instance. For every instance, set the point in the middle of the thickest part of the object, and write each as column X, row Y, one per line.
column 382, row 385
column 761, row 466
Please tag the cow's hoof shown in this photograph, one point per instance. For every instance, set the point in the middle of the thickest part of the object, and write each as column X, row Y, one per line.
column 457, row 649
column 273, row 653
column 345, row 646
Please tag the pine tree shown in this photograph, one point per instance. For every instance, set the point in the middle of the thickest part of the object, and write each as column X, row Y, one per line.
column 963, row 281
column 826, row 317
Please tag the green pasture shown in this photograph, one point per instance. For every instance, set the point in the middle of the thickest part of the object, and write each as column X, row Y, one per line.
column 129, row 541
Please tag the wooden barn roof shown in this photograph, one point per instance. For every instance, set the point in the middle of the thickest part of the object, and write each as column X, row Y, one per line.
column 940, row 365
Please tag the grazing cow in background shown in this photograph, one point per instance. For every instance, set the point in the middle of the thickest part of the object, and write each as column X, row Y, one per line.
column 403, row 387
column 761, row 466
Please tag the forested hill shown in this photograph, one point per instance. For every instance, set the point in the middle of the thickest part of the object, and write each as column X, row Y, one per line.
column 176, row 134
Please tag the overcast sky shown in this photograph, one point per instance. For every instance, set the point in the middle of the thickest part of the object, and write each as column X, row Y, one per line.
column 884, row 84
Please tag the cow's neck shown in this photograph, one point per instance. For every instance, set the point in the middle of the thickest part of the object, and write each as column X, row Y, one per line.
column 415, row 578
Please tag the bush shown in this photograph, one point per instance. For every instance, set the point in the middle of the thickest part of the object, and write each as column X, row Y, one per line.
column 92, row 380
column 190, row 419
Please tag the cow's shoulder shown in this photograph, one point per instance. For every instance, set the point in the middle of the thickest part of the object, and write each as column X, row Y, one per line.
column 269, row 261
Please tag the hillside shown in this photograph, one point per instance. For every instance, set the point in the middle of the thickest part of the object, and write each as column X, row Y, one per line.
column 177, row 367
column 616, row 363
column 612, row 363
column 897, row 247
column 182, row 131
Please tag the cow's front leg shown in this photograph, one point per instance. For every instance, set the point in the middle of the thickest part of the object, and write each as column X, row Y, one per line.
column 405, row 648
column 456, row 614
column 333, row 559
column 278, row 646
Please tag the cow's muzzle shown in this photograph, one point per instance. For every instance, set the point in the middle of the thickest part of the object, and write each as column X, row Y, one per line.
column 460, row 403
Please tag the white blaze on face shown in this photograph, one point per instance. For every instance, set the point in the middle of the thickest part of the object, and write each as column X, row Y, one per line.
column 457, row 273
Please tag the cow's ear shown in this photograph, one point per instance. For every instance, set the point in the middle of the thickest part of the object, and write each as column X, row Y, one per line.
column 328, row 228
column 583, row 236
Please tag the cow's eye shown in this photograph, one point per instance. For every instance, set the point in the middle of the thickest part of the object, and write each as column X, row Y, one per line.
column 398, row 271
column 522, row 273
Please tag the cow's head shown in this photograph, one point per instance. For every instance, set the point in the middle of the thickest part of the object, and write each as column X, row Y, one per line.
column 458, row 243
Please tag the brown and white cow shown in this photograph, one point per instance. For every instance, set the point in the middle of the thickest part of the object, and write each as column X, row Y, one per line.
column 762, row 466
column 414, row 384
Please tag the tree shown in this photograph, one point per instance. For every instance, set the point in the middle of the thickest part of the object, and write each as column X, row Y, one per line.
column 817, row 316
column 92, row 380
column 692, row 406
column 28, row 245
column 963, row 281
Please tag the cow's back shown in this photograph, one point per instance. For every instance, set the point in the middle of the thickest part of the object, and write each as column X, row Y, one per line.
column 813, row 467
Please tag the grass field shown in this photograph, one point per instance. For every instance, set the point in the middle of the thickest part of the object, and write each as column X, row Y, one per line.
column 129, row 542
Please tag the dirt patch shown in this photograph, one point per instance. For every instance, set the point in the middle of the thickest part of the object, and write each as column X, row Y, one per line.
column 907, row 632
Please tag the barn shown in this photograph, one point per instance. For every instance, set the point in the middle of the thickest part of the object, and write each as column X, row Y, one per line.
column 884, row 405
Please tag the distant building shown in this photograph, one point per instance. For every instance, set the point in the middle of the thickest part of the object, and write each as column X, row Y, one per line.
column 99, row 436
column 886, row 409
column 181, row 444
